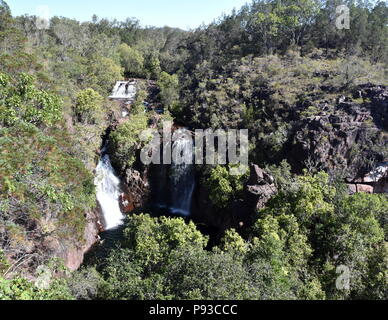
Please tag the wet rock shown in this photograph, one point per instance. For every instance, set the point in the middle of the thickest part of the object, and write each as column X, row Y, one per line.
column 136, row 190
column 127, row 203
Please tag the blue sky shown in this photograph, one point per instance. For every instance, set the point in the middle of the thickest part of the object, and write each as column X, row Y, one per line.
column 184, row 14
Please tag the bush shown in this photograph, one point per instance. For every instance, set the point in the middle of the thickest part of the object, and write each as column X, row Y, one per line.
column 223, row 187
column 131, row 60
column 166, row 259
column 20, row 100
column 21, row 289
column 88, row 107
column 125, row 140
column 169, row 93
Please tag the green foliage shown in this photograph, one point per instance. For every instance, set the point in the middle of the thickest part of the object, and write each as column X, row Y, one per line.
column 153, row 67
column 125, row 140
column 271, row 68
column 342, row 230
column 152, row 240
column 20, row 100
column 224, row 187
column 102, row 74
column 132, row 60
column 359, row 240
column 84, row 284
column 4, row 265
column 21, row 289
column 5, row 15
column 282, row 175
column 285, row 248
column 44, row 190
column 88, row 107
column 141, row 96
column 166, row 259
column 168, row 85
column 136, row 271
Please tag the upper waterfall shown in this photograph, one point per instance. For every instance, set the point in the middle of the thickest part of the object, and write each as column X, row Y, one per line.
column 124, row 90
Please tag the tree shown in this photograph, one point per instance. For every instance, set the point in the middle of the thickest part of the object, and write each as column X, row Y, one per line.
column 132, row 61
column 169, row 94
column 138, row 269
column 152, row 65
column 358, row 241
column 5, row 15
column 88, row 107
column 224, row 188
column 22, row 289
column 282, row 248
column 102, row 74
column 125, row 140
column 166, row 258
column 22, row 101
column 343, row 230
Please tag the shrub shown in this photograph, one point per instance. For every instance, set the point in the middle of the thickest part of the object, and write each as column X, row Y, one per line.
column 125, row 140
column 88, row 107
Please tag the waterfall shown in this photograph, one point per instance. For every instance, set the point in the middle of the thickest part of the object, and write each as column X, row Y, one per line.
column 182, row 176
column 173, row 184
column 124, row 90
column 108, row 193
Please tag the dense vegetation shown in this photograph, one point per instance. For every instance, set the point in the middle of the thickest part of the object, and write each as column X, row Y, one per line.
column 292, row 251
column 272, row 67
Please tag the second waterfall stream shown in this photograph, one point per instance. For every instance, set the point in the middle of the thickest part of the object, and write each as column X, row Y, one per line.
column 108, row 193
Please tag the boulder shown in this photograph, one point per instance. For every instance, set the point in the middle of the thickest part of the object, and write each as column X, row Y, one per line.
column 360, row 188
column 365, row 188
column 136, row 190
column 260, row 187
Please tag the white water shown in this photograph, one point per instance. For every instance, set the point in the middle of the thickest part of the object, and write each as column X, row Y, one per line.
column 377, row 174
column 124, row 90
column 183, row 177
column 108, row 193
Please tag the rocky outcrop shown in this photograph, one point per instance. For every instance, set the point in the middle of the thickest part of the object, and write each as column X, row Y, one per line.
column 72, row 251
column 381, row 186
column 360, row 188
column 348, row 141
column 74, row 256
column 136, row 190
column 259, row 188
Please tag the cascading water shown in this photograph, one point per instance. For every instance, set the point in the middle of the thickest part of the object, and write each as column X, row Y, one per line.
column 173, row 185
column 124, row 90
column 182, row 176
column 108, row 193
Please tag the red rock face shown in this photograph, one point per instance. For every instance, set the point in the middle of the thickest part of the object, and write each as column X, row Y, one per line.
column 127, row 203
column 73, row 254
